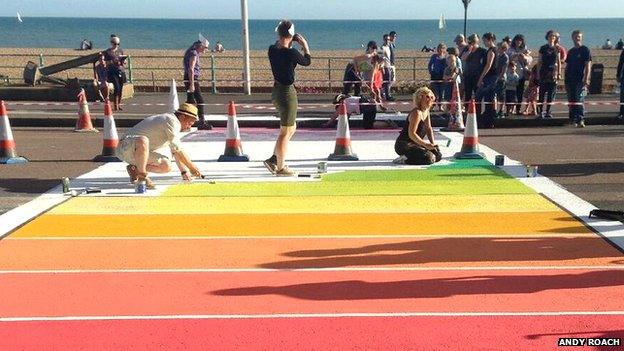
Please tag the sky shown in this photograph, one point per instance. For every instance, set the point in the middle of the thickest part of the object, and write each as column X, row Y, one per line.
column 316, row 9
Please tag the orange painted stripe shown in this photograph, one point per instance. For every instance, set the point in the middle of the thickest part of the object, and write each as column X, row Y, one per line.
column 111, row 143
column 113, row 294
column 343, row 141
column 233, row 143
column 7, row 144
column 502, row 223
column 295, row 253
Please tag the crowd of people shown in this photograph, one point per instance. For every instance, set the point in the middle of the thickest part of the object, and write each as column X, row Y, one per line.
column 507, row 79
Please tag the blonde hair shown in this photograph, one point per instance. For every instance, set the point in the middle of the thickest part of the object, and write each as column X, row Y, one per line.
column 418, row 97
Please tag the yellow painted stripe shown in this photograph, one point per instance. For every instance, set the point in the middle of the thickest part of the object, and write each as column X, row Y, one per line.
column 503, row 223
column 310, row 204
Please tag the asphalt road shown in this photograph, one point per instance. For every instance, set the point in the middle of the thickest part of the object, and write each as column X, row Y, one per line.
column 588, row 162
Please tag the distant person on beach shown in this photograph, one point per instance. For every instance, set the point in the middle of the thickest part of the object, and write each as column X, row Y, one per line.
column 532, row 92
column 620, row 78
column 115, row 61
column 460, row 44
column 577, row 71
column 392, row 36
column 487, row 84
column 549, row 64
column 86, row 45
column 192, row 73
column 619, row 45
column 436, row 66
column 284, row 59
column 511, row 86
column 388, row 74
column 563, row 53
column 100, row 77
column 139, row 144
column 520, row 54
column 502, row 62
column 607, row 45
column 474, row 59
column 410, row 145
column 358, row 70
column 218, row 48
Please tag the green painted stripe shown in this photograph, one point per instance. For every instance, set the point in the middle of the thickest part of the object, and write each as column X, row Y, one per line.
column 452, row 186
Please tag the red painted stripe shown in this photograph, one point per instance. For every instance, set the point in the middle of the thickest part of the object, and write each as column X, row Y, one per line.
column 7, row 144
column 362, row 333
column 343, row 141
column 111, row 143
column 470, row 141
column 94, row 294
column 232, row 143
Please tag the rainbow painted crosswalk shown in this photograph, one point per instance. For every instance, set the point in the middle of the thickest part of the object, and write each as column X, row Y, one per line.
column 451, row 255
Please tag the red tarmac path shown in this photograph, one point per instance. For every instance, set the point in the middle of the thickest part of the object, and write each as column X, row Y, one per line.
column 363, row 333
column 284, row 292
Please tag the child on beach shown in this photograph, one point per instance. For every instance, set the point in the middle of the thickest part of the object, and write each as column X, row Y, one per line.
column 377, row 82
column 100, row 77
column 511, row 86
column 451, row 76
column 532, row 93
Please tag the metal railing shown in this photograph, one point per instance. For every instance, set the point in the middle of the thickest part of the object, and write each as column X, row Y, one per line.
column 157, row 71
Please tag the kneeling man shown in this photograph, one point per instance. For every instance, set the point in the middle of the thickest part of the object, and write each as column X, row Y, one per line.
column 138, row 145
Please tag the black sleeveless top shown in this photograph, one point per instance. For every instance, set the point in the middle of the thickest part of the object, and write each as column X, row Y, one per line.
column 404, row 135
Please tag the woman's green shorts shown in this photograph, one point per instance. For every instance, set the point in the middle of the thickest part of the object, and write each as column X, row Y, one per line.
column 284, row 98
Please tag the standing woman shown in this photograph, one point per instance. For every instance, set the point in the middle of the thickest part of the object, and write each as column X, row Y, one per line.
column 473, row 59
column 521, row 56
column 549, row 72
column 192, row 70
column 115, row 60
column 486, row 84
column 284, row 59
column 411, row 144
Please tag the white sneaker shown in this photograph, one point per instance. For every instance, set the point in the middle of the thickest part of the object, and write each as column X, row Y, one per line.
column 400, row 160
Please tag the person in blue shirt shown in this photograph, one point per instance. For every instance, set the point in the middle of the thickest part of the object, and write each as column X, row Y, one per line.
column 436, row 66
column 578, row 67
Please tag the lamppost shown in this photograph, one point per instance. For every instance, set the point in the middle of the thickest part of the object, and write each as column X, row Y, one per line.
column 466, row 3
column 245, row 35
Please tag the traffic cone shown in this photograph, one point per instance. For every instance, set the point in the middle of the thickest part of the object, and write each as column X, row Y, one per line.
column 83, row 124
column 456, row 120
column 110, row 138
column 470, row 146
column 7, row 144
column 342, row 150
column 233, row 148
column 173, row 97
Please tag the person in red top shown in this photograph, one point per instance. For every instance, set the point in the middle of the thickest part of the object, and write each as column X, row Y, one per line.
column 377, row 82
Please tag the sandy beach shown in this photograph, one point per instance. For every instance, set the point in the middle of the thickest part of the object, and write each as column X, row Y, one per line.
column 158, row 67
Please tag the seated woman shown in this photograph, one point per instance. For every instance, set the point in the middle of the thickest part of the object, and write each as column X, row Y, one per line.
column 410, row 145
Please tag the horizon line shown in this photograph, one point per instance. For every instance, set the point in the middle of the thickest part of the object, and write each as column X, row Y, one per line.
column 327, row 19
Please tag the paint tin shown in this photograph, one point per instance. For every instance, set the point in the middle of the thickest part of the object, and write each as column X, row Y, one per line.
column 531, row 171
column 141, row 187
column 499, row 160
column 322, row 167
column 65, row 184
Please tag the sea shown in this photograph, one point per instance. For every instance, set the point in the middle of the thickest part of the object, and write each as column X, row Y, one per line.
column 45, row 32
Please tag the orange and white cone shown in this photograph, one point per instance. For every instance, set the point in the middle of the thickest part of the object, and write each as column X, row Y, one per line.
column 110, row 138
column 174, row 102
column 83, row 124
column 7, row 144
column 456, row 120
column 470, row 146
column 342, row 150
column 233, row 146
